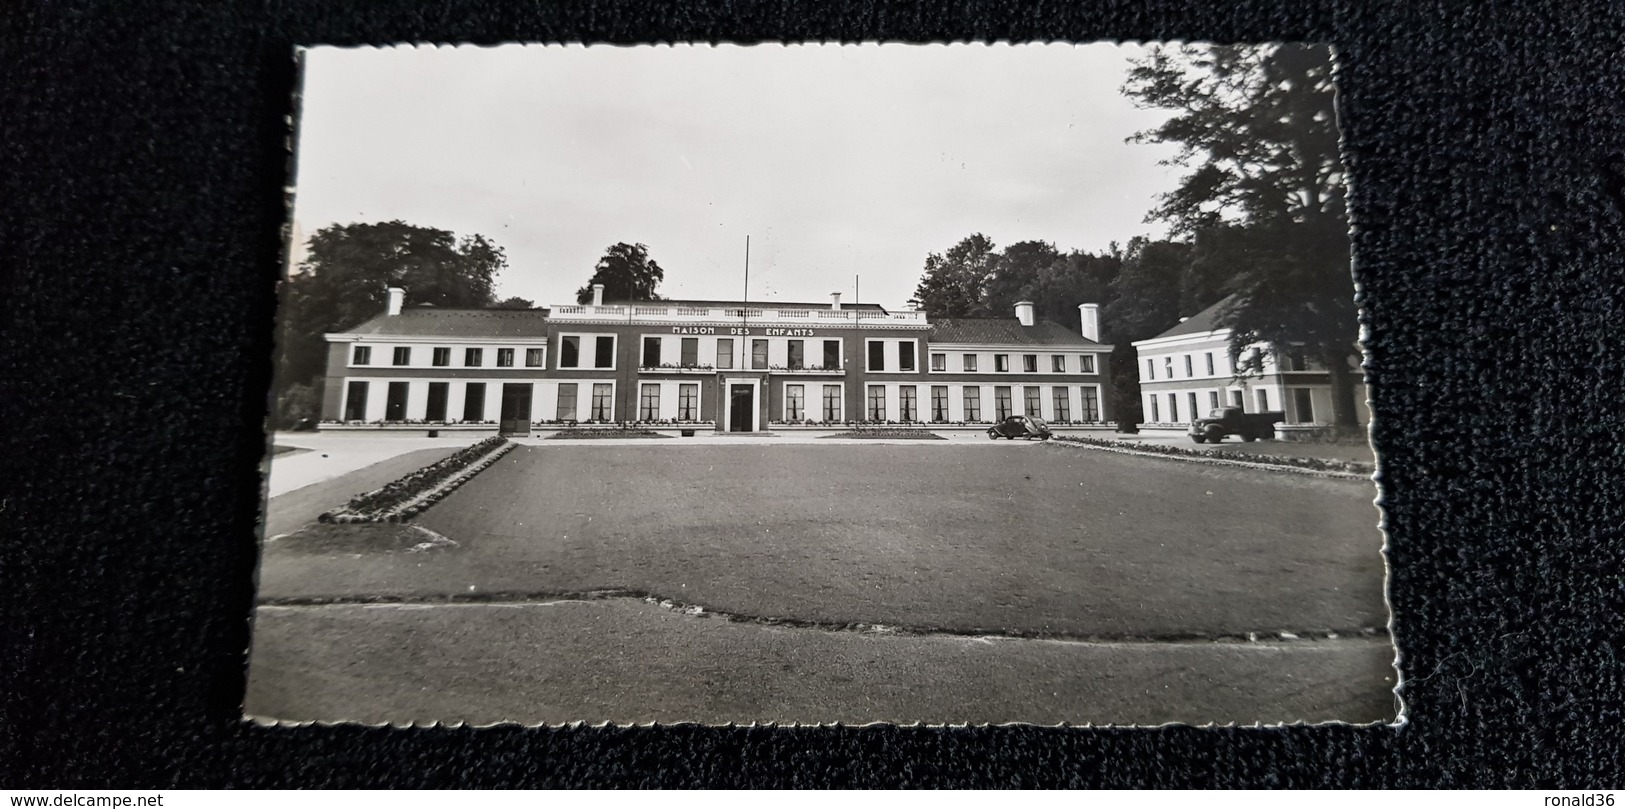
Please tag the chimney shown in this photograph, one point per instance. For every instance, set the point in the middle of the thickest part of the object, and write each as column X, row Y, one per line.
column 396, row 297
column 597, row 294
column 1024, row 312
column 1090, row 315
column 835, row 301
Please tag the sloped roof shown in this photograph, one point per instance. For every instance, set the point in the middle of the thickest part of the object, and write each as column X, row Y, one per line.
column 868, row 307
column 429, row 321
column 1202, row 322
column 1005, row 331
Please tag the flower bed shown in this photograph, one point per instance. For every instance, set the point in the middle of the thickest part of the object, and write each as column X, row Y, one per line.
column 613, row 432
column 887, row 432
column 1314, row 464
column 406, row 497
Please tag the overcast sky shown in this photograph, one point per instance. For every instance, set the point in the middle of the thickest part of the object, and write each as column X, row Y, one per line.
column 838, row 161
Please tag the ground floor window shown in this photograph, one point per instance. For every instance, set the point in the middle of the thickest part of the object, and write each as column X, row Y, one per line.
column 649, row 403
column 832, row 403
column 355, row 402
column 1263, row 401
column 474, row 402
column 688, row 402
column 1304, row 402
column 1063, row 404
column 1173, row 407
column 1090, row 409
column 1030, row 398
column 973, row 403
column 939, row 402
column 1235, row 398
column 905, row 403
column 567, row 401
column 795, row 402
column 1190, row 399
column 1156, row 413
column 395, row 405
column 877, row 403
column 1001, row 402
column 601, row 410
column 1213, row 399
column 438, row 393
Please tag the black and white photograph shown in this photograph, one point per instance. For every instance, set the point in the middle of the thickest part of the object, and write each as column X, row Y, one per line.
column 820, row 383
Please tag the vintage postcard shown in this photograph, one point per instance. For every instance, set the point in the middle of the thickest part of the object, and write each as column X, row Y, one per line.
column 1010, row 383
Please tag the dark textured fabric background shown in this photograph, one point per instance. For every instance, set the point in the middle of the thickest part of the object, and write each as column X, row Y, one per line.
column 141, row 173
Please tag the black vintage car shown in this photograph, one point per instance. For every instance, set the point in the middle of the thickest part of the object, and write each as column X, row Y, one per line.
column 1014, row 427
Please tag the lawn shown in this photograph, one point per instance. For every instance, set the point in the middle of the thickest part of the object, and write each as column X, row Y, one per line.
column 1032, row 539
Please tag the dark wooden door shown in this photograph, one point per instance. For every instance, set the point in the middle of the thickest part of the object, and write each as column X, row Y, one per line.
column 741, row 404
column 515, row 409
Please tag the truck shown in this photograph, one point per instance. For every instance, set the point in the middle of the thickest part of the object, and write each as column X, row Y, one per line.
column 1224, row 421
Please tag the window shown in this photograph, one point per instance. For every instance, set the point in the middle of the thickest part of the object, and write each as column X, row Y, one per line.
column 1063, row 404
column 601, row 410
column 361, row 356
column 1029, row 363
column 1168, row 367
column 832, row 402
column 604, row 352
column 1057, row 363
column 355, row 402
column 905, row 403
column 939, row 362
column 504, row 358
column 1030, row 400
column 1156, row 415
column 1263, row 401
column 535, row 357
column 649, row 403
column 725, row 353
column 567, row 402
column 969, row 362
column 832, row 354
column 1236, row 400
column 442, row 357
column 797, row 354
column 758, row 354
column 395, row 405
column 877, row 402
column 474, row 402
column 1150, row 370
column 1304, row 403
column 795, row 402
column 1210, row 364
column 570, row 352
column 877, row 356
column 438, row 392
column 403, row 355
column 690, row 355
column 1001, row 362
column 1189, row 372
column 1213, row 400
column 973, row 403
column 939, row 402
column 651, row 352
column 1190, row 401
column 1001, row 402
column 472, row 357
column 1173, row 407
column 1090, row 404
column 905, row 355
column 1086, row 363
column 1295, row 361
column 688, row 402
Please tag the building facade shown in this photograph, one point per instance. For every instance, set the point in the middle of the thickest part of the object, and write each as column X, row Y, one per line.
column 725, row 365
column 1187, row 371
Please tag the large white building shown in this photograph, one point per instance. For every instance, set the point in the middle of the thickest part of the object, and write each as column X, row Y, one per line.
column 1187, row 371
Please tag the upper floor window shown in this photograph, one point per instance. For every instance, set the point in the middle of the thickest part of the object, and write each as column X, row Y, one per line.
column 472, row 357
column 535, row 358
column 905, row 355
column 877, row 356
column 569, row 352
column 970, row 362
column 604, row 353
column 1001, row 362
column 758, row 354
column 796, row 352
column 442, row 357
column 939, row 362
column 690, row 352
column 1058, row 363
column 651, row 352
column 1168, row 369
column 1029, row 363
column 832, row 355
column 362, row 355
column 725, row 353
column 1210, row 365
column 1189, row 372
column 504, row 358
column 1150, row 371
column 403, row 355
column 1086, row 363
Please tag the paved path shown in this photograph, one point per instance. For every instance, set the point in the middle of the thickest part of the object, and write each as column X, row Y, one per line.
column 332, row 454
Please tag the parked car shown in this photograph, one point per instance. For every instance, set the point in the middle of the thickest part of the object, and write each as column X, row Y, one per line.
column 1014, row 427
column 1234, row 421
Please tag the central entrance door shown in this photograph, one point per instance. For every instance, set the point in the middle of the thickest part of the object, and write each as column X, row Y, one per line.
column 515, row 409
column 741, row 408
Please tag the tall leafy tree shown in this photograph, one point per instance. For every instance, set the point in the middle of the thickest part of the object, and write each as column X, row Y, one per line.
column 1145, row 301
column 627, row 273
column 344, row 278
column 955, row 283
column 1265, row 196
column 515, row 302
column 1016, row 275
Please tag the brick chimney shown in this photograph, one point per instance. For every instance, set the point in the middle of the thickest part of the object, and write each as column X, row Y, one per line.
column 597, row 294
column 397, row 296
column 1090, row 315
column 1024, row 312
column 835, row 301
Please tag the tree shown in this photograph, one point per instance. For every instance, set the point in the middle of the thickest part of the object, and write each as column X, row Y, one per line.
column 955, row 283
column 344, row 279
column 1145, row 301
column 627, row 273
column 1015, row 275
column 514, row 303
column 1265, row 197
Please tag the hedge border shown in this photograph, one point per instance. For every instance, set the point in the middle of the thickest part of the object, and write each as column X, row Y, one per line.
column 404, row 498
column 1285, row 463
